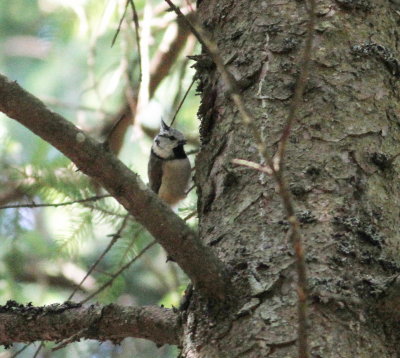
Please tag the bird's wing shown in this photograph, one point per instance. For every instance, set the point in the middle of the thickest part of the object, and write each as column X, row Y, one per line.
column 155, row 171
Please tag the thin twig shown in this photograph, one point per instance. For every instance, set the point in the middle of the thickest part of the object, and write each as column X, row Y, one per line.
column 231, row 83
column 113, row 129
column 20, row 350
column 116, row 274
column 128, row 65
column 210, row 46
column 69, row 340
column 143, row 96
column 34, row 205
column 212, row 49
column 41, row 345
column 103, row 210
column 190, row 189
column 252, row 165
column 182, row 72
column 189, row 216
column 120, row 24
column 137, row 34
column 128, row 249
column 114, row 239
column 295, row 236
column 182, row 101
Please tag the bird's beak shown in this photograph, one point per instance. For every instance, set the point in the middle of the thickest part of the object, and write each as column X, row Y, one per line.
column 182, row 142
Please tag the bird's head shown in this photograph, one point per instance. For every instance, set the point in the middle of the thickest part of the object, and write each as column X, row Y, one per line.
column 167, row 140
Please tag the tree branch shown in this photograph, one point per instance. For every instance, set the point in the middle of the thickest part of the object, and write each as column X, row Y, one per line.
column 54, row 205
column 92, row 158
column 72, row 322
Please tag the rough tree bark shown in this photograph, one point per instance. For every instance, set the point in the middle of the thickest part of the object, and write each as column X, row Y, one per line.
column 339, row 168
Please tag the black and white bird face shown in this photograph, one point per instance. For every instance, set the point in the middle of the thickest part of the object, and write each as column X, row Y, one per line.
column 169, row 167
column 168, row 142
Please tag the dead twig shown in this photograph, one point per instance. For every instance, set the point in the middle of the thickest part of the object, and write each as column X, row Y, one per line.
column 20, row 350
column 41, row 345
column 54, row 205
column 252, row 165
column 128, row 249
column 191, row 44
column 135, row 19
column 114, row 239
column 69, row 340
column 182, row 101
column 116, row 274
column 120, row 24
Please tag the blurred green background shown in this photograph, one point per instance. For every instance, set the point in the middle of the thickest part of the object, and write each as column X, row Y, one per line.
column 60, row 51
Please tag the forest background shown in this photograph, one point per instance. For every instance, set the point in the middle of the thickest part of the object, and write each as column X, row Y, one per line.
column 67, row 53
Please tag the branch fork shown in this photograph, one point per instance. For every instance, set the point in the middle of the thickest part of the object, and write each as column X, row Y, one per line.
column 206, row 271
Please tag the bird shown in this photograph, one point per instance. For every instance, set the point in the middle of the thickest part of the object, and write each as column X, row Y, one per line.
column 169, row 168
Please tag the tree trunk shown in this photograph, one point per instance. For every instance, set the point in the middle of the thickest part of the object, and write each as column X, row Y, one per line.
column 340, row 166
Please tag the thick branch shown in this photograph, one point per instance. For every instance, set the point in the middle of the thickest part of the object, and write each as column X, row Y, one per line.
column 72, row 322
column 181, row 243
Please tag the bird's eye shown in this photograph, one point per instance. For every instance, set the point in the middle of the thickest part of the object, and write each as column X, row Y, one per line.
column 172, row 137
